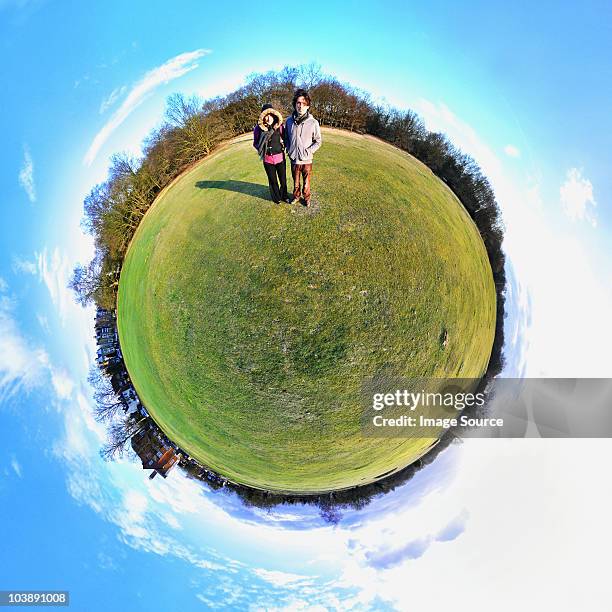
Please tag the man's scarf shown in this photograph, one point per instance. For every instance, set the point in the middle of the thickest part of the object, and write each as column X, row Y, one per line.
column 299, row 118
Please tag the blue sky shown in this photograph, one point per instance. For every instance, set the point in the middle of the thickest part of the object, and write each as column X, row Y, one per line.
column 524, row 89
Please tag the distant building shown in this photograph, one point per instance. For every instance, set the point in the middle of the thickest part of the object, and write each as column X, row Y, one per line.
column 153, row 448
column 121, row 381
column 107, row 348
column 155, row 452
column 104, row 361
column 104, row 318
column 130, row 400
column 105, row 326
column 104, row 315
column 108, row 352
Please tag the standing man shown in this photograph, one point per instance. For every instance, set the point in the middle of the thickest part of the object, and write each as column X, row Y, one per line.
column 302, row 139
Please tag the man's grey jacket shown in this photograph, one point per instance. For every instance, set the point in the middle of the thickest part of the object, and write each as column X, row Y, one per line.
column 302, row 139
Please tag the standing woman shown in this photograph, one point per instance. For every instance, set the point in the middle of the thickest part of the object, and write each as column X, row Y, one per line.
column 268, row 140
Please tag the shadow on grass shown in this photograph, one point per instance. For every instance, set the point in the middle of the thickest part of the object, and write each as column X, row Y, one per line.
column 253, row 189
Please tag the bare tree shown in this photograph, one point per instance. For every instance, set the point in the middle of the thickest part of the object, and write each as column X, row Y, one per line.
column 95, row 206
column 119, row 434
column 108, row 405
column 179, row 109
column 330, row 512
column 96, row 281
column 310, row 74
column 85, row 281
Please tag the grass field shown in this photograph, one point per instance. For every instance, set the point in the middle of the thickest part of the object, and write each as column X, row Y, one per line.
column 248, row 327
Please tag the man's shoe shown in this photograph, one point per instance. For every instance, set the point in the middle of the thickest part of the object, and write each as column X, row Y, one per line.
column 307, row 203
column 293, row 200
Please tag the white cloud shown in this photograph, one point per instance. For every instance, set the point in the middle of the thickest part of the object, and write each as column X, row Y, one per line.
column 3, row 285
column 23, row 265
column 393, row 555
column 181, row 496
column 16, row 467
column 112, row 98
column 26, row 175
column 62, row 383
column 43, row 322
column 577, row 197
column 54, row 270
column 169, row 71
column 22, row 365
column 512, row 151
column 83, row 435
column 510, row 552
column 282, row 579
column 171, row 520
column 135, row 505
column 143, row 523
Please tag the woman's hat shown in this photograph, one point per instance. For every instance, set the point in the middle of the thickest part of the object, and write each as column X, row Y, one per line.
column 269, row 110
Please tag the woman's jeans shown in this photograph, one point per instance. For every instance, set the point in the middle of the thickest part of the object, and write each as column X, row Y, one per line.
column 277, row 179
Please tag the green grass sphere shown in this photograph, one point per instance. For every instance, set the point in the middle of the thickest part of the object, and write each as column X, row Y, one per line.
column 248, row 327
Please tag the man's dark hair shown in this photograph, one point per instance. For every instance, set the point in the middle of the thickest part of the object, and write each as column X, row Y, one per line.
column 304, row 94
